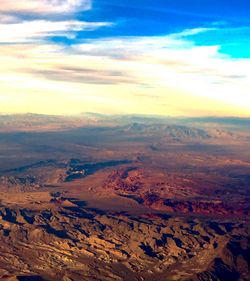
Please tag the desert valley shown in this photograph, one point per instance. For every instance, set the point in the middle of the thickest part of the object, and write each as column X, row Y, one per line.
column 124, row 198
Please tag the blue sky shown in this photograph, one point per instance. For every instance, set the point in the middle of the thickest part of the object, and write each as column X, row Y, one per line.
column 182, row 57
column 161, row 17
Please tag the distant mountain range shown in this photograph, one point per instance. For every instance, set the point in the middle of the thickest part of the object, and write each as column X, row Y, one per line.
column 36, row 121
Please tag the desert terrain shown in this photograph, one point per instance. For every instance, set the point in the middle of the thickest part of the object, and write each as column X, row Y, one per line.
column 124, row 198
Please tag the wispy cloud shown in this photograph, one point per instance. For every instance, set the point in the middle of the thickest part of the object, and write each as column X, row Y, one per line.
column 128, row 71
column 192, row 31
column 37, row 30
column 43, row 6
column 46, row 19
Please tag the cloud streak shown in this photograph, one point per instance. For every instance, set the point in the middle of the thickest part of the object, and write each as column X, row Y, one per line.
column 43, row 6
column 46, row 20
column 37, row 30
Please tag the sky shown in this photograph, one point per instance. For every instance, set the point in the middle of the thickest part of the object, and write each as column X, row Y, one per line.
column 164, row 57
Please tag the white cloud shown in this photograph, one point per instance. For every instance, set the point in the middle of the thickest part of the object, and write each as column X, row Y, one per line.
column 31, row 31
column 47, row 20
column 43, row 6
column 192, row 31
column 128, row 71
